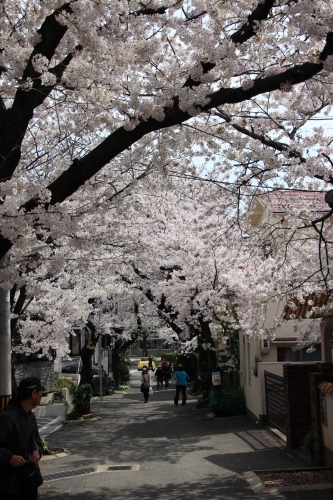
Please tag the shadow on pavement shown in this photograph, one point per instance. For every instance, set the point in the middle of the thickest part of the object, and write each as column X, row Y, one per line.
column 164, row 440
column 230, row 488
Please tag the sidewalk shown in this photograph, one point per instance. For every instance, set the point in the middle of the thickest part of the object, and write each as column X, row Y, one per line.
column 158, row 451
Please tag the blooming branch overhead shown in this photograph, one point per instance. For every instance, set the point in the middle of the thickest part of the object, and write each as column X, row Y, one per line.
column 97, row 97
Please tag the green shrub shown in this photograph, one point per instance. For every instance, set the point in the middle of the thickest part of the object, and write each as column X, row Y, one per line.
column 228, row 403
column 81, row 401
column 62, row 383
column 123, row 375
column 168, row 356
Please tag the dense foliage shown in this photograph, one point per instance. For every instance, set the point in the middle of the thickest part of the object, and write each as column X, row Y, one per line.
column 134, row 137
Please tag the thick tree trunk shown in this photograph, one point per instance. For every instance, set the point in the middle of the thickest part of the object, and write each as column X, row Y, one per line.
column 119, row 365
column 207, row 358
column 144, row 346
column 87, row 372
column 116, row 362
column 86, row 357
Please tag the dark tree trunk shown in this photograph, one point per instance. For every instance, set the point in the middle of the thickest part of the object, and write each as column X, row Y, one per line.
column 120, row 368
column 87, row 352
column 207, row 357
column 116, row 364
column 144, row 346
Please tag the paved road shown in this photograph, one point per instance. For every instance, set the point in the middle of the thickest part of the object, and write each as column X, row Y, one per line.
column 43, row 421
column 173, row 452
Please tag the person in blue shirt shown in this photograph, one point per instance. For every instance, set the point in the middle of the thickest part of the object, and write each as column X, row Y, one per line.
column 181, row 378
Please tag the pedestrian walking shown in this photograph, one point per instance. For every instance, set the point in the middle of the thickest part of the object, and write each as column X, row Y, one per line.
column 159, row 374
column 150, row 362
column 167, row 374
column 20, row 444
column 181, row 378
column 145, row 383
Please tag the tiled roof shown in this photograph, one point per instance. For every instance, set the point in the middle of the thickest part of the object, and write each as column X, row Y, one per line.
column 279, row 200
column 302, row 310
column 326, row 387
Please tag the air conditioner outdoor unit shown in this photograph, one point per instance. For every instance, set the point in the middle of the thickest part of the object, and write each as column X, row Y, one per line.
column 264, row 346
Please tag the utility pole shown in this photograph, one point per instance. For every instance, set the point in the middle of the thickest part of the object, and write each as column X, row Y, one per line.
column 5, row 344
column 100, row 352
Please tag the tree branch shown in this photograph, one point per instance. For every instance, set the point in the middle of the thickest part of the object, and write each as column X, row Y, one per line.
column 14, row 121
column 82, row 170
column 243, row 34
column 280, row 146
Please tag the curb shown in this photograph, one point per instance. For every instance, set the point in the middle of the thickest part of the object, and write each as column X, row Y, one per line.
column 62, row 454
column 80, row 420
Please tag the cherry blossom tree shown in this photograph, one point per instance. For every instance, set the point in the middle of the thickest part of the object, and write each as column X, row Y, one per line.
column 82, row 82
column 96, row 97
column 205, row 277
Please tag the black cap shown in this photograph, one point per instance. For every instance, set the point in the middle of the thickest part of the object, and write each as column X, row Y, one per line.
column 27, row 385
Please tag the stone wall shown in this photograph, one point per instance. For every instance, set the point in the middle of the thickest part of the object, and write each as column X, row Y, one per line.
column 44, row 370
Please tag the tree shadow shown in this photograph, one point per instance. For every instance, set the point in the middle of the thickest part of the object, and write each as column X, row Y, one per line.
column 257, row 460
column 209, row 488
column 131, row 432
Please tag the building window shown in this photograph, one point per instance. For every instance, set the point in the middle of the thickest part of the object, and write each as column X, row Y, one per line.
column 151, row 344
column 167, row 345
column 289, row 354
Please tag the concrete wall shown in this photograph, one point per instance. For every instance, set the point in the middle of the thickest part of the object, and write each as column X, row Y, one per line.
column 56, row 409
column 254, row 387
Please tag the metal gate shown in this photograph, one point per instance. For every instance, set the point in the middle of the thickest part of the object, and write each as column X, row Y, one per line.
column 275, row 400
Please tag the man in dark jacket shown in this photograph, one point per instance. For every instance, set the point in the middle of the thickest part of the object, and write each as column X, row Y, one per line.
column 19, row 439
column 167, row 374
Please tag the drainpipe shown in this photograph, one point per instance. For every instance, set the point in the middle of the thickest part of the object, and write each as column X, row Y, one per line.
column 5, row 344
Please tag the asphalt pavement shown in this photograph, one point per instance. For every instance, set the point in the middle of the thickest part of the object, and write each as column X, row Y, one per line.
column 157, row 451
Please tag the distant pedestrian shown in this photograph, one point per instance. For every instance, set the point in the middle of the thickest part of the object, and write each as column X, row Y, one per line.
column 20, row 441
column 167, row 374
column 150, row 362
column 159, row 374
column 145, row 383
column 182, row 378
